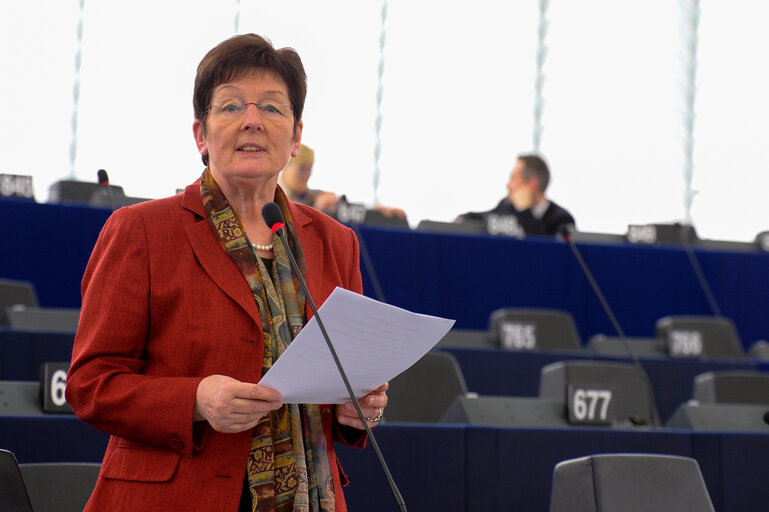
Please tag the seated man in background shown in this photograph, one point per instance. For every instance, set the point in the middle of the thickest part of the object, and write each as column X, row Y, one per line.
column 294, row 182
column 526, row 200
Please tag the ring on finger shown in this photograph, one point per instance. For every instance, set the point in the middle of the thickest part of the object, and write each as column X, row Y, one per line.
column 376, row 418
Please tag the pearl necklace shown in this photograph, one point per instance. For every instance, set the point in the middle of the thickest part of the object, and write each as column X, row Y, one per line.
column 265, row 248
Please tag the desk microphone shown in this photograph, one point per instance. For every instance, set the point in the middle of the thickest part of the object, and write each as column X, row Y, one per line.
column 566, row 231
column 103, row 178
column 101, row 175
column 365, row 255
column 274, row 219
column 684, row 231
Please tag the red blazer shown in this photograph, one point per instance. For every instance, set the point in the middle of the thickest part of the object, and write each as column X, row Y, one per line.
column 163, row 307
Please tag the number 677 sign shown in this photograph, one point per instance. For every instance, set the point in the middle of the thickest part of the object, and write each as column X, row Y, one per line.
column 590, row 405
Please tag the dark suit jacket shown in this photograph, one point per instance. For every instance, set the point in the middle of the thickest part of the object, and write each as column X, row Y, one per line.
column 554, row 218
column 163, row 307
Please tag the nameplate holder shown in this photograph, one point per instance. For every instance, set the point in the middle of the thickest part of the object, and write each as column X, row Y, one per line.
column 518, row 335
column 53, row 383
column 684, row 343
column 18, row 186
column 641, row 234
column 590, row 404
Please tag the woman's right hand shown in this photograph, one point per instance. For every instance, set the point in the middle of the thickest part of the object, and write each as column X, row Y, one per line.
column 230, row 405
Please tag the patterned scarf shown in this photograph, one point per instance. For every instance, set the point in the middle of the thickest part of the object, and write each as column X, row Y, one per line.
column 288, row 467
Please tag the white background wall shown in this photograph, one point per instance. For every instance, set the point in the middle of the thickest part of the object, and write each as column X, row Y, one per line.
column 458, row 101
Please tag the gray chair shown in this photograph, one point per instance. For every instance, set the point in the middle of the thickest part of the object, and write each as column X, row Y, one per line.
column 632, row 399
column 534, row 329
column 425, row 391
column 467, row 338
column 19, row 398
column 60, row 487
column 732, row 387
column 640, row 347
column 14, row 293
column 629, row 483
column 13, row 493
column 63, row 320
column 507, row 411
column 700, row 337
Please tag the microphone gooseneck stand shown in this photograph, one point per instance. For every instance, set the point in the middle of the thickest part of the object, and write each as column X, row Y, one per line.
column 274, row 219
column 684, row 233
column 566, row 233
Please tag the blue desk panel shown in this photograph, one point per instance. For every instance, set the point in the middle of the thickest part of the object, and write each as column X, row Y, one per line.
column 48, row 245
column 463, row 277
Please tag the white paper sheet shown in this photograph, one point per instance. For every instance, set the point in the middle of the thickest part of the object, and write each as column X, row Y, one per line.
column 374, row 342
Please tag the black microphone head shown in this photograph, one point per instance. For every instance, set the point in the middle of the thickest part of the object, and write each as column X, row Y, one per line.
column 565, row 231
column 272, row 215
column 103, row 178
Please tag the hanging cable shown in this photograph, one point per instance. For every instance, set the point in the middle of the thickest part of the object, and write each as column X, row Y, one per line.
column 237, row 17
column 539, row 80
column 690, row 15
column 379, row 94
column 76, row 94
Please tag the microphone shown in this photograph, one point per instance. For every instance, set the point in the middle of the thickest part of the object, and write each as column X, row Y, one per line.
column 365, row 255
column 103, row 180
column 274, row 219
column 684, row 232
column 565, row 231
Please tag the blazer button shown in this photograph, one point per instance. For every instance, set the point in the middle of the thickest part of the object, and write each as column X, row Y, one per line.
column 177, row 444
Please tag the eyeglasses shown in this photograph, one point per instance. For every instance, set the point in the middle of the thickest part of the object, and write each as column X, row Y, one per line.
column 232, row 111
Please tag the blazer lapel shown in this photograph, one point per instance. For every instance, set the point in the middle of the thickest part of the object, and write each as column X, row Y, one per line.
column 215, row 262
column 312, row 246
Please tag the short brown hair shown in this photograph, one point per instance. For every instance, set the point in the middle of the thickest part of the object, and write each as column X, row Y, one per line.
column 534, row 166
column 240, row 55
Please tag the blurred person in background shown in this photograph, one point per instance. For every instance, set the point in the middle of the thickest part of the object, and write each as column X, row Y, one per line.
column 526, row 200
column 295, row 183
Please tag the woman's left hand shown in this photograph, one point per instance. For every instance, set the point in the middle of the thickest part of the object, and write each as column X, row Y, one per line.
column 372, row 406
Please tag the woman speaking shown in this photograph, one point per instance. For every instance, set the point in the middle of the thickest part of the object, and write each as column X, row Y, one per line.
column 187, row 302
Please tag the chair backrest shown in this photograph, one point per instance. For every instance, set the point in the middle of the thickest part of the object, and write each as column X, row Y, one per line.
column 629, row 483
column 598, row 392
column 60, row 487
column 693, row 415
column 13, row 493
column 507, row 411
column 19, row 398
column 15, row 292
column 534, row 329
column 640, row 347
column 425, row 391
column 732, row 387
column 759, row 350
column 63, row 320
column 468, row 338
column 700, row 336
